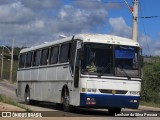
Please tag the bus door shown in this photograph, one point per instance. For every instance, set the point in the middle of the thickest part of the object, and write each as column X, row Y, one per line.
column 75, row 67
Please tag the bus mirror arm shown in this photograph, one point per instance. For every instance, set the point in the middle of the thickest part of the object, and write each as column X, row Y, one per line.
column 73, row 37
column 80, row 54
column 141, row 61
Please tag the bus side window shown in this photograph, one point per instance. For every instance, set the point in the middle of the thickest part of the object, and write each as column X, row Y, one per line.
column 54, row 55
column 64, row 53
column 44, row 56
column 28, row 59
column 22, row 60
column 36, row 58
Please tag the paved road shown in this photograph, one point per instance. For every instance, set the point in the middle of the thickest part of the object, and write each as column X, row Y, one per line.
column 9, row 90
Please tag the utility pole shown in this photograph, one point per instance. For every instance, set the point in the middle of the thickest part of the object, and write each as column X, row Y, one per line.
column 135, row 21
column 11, row 67
column 2, row 64
column 134, row 11
column 2, row 57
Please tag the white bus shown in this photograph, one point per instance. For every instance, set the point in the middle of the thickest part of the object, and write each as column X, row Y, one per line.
column 58, row 72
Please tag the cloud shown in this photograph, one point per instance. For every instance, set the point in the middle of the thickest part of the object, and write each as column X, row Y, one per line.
column 119, row 27
column 77, row 20
column 155, row 47
column 39, row 5
column 144, row 43
column 28, row 26
column 148, row 45
column 96, row 4
column 3, row 2
column 15, row 13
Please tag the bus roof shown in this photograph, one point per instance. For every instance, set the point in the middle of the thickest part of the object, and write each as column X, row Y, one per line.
column 96, row 38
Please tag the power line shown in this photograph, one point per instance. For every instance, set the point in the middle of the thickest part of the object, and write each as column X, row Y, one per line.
column 144, row 29
column 149, row 17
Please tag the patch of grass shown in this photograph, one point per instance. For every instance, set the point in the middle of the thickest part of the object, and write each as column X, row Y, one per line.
column 7, row 100
column 150, row 104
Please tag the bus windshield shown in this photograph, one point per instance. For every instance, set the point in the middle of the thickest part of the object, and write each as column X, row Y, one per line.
column 103, row 59
column 126, row 61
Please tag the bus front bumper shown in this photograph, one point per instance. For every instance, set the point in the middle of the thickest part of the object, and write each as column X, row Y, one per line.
column 108, row 101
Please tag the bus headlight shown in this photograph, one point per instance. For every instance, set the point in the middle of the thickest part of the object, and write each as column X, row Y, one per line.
column 134, row 92
column 133, row 101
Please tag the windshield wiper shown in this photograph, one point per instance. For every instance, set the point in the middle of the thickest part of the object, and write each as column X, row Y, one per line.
column 125, row 73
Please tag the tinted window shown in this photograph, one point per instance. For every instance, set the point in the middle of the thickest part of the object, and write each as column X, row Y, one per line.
column 54, row 55
column 98, row 58
column 36, row 58
column 64, row 53
column 44, row 56
column 28, row 59
column 22, row 60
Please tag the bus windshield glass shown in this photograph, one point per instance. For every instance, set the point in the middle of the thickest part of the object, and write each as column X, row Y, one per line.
column 126, row 61
column 104, row 59
column 98, row 59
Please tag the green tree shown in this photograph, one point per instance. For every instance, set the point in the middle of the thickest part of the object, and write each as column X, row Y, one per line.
column 151, row 81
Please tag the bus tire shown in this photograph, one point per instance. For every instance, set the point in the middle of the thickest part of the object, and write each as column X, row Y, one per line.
column 65, row 97
column 113, row 111
column 27, row 96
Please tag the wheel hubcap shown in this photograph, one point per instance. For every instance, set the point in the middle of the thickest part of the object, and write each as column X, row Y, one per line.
column 27, row 96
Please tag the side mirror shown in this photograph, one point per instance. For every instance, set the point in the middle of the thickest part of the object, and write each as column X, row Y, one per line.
column 80, row 53
column 80, row 50
column 141, row 61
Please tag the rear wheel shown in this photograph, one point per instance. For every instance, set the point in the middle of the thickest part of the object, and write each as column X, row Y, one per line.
column 27, row 96
column 66, row 105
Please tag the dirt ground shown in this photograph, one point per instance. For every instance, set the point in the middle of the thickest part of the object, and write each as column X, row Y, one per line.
column 7, row 107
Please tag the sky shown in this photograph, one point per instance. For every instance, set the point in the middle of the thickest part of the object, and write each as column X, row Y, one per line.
column 33, row 22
